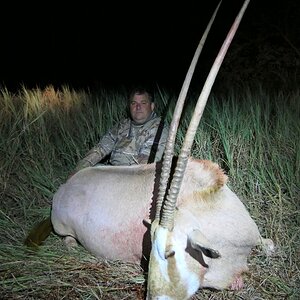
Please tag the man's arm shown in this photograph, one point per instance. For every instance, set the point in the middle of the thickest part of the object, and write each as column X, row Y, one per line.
column 100, row 151
column 91, row 158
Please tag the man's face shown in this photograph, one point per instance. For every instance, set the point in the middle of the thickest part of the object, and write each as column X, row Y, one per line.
column 140, row 108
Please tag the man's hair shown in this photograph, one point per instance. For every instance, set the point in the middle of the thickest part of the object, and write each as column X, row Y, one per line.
column 139, row 90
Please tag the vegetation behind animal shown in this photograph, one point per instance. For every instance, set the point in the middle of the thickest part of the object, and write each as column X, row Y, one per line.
column 252, row 133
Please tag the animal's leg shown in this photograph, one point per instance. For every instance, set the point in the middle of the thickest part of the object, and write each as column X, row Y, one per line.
column 70, row 242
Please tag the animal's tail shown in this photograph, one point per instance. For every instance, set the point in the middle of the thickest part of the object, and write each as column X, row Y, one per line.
column 39, row 233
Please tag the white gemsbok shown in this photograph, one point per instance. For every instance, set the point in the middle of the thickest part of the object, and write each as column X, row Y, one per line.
column 201, row 233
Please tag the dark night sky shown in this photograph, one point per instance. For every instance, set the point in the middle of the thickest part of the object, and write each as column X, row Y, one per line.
column 84, row 43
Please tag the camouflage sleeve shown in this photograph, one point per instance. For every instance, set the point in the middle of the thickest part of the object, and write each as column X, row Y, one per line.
column 91, row 158
column 100, row 151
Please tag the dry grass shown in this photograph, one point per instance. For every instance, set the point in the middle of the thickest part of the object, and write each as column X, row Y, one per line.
column 39, row 147
column 55, row 273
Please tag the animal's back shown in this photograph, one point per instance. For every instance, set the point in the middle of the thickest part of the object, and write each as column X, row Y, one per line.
column 104, row 207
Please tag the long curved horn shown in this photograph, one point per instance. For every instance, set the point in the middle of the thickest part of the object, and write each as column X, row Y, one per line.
column 169, row 149
column 167, row 216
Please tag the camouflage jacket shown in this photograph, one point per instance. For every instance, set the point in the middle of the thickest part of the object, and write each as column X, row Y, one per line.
column 128, row 144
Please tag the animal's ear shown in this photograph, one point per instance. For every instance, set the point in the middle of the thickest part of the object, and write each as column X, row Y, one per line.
column 210, row 177
column 199, row 242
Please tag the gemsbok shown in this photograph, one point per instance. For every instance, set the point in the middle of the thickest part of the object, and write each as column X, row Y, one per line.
column 178, row 214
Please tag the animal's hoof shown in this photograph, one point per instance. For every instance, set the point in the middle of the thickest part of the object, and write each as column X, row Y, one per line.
column 237, row 284
column 70, row 242
column 269, row 247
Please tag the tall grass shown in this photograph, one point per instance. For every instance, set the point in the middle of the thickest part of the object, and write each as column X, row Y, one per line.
column 251, row 133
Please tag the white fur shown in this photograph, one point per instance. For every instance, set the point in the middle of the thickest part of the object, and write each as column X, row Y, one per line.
column 159, row 249
column 104, row 208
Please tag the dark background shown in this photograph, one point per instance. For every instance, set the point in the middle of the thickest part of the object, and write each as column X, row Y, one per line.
column 85, row 44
